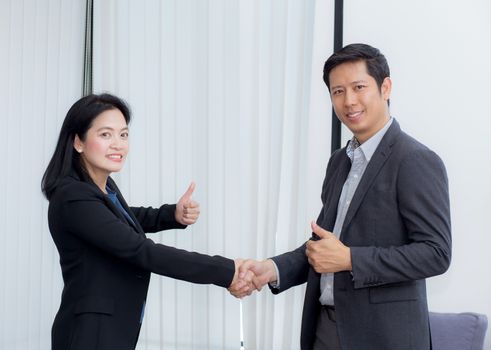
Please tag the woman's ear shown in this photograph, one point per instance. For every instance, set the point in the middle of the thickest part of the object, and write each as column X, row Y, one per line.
column 77, row 144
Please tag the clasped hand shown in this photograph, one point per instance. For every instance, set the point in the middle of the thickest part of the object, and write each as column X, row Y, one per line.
column 328, row 254
column 251, row 275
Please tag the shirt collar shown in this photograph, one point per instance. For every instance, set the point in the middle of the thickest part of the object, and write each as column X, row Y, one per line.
column 369, row 146
column 350, row 149
column 110, row 192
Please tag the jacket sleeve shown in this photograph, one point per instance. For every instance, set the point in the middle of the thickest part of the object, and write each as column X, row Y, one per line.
column 293, row 268
column 155, row 220
column 82, row 212
column 423, row 201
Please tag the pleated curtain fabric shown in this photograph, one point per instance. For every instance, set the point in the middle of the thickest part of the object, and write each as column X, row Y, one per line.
column 220, row 92
column 41, row 60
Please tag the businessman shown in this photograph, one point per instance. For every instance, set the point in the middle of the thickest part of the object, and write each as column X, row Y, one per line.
column 383, row 229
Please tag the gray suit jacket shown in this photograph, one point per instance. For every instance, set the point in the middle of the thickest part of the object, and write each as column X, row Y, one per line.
column 398, row 229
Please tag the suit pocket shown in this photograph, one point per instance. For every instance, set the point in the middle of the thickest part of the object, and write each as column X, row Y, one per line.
column 94, row 304
column 92, row 316
column 406, row 291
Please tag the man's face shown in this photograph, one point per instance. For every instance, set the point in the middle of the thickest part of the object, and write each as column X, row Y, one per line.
column 357, row 100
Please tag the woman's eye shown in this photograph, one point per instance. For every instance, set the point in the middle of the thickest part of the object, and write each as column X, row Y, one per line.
column 105, row 135
column 125, row 135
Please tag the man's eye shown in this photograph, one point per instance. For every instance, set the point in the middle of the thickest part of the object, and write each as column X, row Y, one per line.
column 359, row 87
column 337, row 92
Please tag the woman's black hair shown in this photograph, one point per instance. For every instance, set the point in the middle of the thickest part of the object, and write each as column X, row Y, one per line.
column 77, row 121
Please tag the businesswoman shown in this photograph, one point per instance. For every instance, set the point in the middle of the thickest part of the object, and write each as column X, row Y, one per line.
column 105, row 258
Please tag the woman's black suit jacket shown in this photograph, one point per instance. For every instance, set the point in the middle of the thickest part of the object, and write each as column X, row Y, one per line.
column 106, row 263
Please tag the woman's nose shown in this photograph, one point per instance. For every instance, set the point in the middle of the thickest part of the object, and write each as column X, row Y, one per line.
column 116, row 143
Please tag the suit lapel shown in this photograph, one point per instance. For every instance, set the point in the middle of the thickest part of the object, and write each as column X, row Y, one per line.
column 126, row 207
column 108, row 201
column 115, row 209
column 332, row 199
column 135, row 224
column 376, row 163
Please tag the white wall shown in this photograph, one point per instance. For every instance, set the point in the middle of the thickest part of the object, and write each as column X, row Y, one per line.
column 440, row 53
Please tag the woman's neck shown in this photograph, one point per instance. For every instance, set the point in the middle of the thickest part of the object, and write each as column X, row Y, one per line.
column 101, row 183
column 99, row 177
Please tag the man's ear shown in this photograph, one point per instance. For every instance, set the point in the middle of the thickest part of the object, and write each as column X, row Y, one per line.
column 386, row 88
column 78, row 144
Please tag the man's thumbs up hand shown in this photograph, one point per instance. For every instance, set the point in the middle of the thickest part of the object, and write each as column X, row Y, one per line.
column 328, row 254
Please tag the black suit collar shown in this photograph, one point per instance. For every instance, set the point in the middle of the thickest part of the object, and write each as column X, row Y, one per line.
column 112, row 185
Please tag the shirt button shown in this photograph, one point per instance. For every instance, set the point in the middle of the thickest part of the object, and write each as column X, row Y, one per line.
column 355, row 176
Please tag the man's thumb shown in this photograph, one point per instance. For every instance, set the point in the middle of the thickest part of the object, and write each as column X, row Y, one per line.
column 319, row 231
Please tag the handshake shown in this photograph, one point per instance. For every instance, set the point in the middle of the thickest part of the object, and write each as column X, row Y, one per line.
column 326, row 254
column 251, row 275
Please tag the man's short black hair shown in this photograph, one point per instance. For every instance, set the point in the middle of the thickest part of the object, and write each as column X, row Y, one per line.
column 375, row 61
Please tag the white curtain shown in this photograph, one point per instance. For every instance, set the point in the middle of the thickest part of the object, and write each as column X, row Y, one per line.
column 226, row 93
column 41, row 62
column 221, row 94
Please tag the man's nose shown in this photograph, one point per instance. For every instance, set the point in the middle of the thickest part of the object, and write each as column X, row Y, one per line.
column 349, row 98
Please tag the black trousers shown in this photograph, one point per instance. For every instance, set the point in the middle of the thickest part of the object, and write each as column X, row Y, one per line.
column 326, row 335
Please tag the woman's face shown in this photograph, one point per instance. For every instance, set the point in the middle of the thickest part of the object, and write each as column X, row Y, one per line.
column 106, row 145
